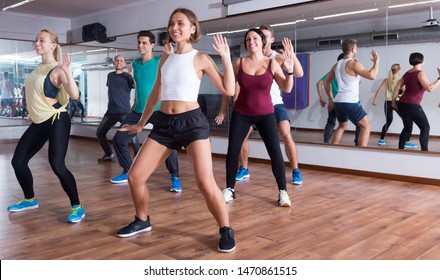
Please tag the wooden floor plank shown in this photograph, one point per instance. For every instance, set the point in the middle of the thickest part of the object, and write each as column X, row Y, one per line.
column 333, row 216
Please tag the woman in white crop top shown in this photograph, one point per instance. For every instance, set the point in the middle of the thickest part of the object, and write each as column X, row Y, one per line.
column 180, row 122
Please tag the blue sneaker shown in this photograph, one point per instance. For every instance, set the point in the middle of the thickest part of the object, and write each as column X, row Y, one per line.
column 176, row 186
column 297, row 177
column 24, row 204
column 409, row 145
column 381, row 142
column 242, row 173
column 122, row 178
column 76, row 214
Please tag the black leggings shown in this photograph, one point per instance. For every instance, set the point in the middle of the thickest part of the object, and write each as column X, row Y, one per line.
column 267, row 127
column 32, row 141
column 413, row 113
column 389, row 117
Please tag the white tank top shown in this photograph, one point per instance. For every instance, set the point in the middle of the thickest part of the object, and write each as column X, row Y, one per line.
column 275, row 92
column 348, row 85
column 179, row 79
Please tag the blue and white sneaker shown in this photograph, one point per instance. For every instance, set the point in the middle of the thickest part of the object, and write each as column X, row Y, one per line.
column 409, row 145
column 381, row 142
column 76, row 214
column 242, row 173
column 122, row 178
column 23, row 205
column 176, row 186
column 297, row 177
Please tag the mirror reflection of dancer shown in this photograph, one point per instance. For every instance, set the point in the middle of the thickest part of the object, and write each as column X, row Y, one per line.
column 48, row 89
column 331, row 119
column 389, row 84
column 7, row 97
column 181, row 123
column 348, row 72
column 415, row 83
column 76, row 105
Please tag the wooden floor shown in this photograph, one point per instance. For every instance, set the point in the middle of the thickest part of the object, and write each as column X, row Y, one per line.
column 334, row 216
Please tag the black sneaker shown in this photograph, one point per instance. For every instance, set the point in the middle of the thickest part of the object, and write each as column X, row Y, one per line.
column 227, row 242
column 135, row 227
column 107, row 158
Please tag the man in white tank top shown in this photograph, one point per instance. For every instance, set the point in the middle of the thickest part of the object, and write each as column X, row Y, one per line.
column 348, row 72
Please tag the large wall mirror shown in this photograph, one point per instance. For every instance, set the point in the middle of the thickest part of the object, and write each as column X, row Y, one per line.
column 393, row 28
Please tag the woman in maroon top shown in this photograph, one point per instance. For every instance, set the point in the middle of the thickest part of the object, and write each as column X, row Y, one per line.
column 253, row 106
column 416, row 83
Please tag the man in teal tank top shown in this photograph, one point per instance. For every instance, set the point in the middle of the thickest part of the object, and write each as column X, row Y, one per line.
column 144, row 73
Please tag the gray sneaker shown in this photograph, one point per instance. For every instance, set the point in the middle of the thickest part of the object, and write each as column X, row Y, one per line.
column 135, row 227
column 107, row 158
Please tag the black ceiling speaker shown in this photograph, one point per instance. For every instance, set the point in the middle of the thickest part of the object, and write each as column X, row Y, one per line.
column 94, row 32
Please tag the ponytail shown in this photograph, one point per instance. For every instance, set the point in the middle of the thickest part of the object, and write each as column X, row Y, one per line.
column 394, row 69
column 57, row 53
column 390, row 81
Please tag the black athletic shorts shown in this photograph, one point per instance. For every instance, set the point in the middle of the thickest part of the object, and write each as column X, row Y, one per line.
column 179, row 130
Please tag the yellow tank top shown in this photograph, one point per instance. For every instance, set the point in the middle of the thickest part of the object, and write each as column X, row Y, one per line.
column 389, row 94
column 40, row 110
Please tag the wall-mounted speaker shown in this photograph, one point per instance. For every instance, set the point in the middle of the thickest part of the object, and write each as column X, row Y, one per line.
column 94, row 32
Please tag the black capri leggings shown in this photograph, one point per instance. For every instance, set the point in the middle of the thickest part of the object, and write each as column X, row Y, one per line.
column 413, row 113
column 268, row 129
column 32, row 141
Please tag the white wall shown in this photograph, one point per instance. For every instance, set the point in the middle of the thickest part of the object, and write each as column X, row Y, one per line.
column 25, row 27
column 129, row 19
column 320, row 63
column 152, row 14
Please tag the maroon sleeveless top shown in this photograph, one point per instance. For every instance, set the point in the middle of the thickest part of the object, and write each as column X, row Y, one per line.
column 254, row 97
column 413, row 89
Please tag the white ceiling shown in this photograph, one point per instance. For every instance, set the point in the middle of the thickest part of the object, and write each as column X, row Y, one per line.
column 78, row 8
column 66, row 8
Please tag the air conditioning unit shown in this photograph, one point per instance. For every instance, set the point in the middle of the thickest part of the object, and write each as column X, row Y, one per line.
column 330, row 42
column 382, row 37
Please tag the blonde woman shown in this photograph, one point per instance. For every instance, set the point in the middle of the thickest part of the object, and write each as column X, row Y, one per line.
column 389, row 84
column 48, row 89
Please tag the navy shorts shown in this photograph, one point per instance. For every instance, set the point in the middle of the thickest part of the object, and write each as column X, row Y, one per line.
column 281, row 113
column 349, row 111
column 179, row 130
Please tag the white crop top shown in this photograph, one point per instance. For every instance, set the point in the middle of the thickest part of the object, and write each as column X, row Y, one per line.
column 348, row 85
column 179, row 79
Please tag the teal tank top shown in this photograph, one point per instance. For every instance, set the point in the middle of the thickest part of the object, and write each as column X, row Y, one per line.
column 145, row 77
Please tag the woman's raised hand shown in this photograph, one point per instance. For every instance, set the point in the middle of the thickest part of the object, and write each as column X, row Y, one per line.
column 221, row 46
column 288, row 54
column 66, row 63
